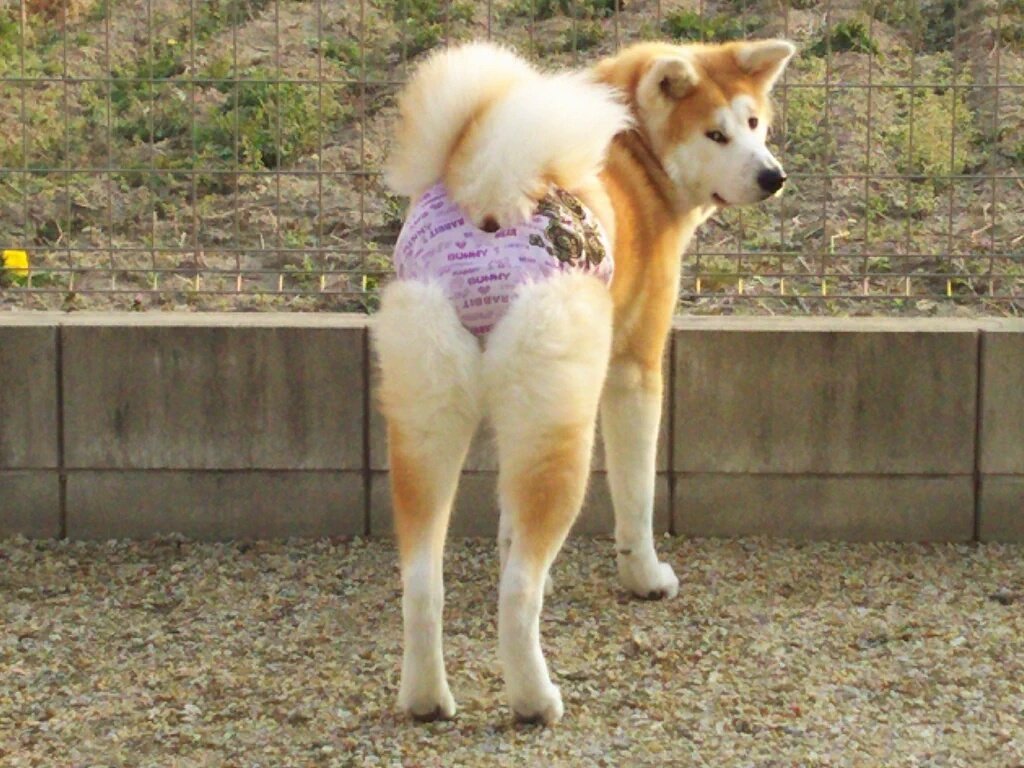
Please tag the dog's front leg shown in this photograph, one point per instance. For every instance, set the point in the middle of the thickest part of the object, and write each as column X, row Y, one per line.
column 630, row 415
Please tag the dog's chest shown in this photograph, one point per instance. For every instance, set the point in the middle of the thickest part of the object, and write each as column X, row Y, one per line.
column 482, row 272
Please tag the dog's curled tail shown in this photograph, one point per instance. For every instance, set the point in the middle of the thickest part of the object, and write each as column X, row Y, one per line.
column 553, row 131
column 444, row 95
column 499, row 133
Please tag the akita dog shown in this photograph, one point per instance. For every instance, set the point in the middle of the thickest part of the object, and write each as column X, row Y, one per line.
column 538, row 273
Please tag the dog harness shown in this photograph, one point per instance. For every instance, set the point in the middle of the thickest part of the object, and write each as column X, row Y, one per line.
column 481, row 272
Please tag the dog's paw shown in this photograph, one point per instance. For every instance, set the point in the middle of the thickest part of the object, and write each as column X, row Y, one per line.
column 426, row 708
column 542, row 709
column 647, row 578
column 549, row 585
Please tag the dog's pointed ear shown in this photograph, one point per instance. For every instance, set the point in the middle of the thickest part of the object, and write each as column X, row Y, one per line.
column 765, row 60
column 669, row 78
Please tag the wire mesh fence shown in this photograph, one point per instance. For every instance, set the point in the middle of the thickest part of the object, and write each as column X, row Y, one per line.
column 226, row 154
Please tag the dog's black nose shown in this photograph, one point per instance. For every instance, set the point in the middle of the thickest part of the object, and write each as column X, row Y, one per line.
column 490, row 225
column 771, row 180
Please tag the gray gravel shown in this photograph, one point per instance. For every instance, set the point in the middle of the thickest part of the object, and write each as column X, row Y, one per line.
column 173, row 653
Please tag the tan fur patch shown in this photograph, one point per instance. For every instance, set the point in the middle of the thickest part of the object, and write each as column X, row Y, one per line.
column 648, row 233
column 414, row 509
column 464, row 140
column 548, row 493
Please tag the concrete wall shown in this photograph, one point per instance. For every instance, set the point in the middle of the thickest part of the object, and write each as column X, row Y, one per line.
column 1001, row 433
column 261, row 425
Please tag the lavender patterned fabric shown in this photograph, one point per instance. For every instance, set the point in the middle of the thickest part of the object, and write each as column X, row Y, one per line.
column 481, row 272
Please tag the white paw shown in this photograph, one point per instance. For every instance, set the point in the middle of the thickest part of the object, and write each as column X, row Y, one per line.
column 426, row 706
column 646, row 577
column 549, row 585
column 543, row 707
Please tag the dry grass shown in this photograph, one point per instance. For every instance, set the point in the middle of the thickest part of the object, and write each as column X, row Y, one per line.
column 774, row 654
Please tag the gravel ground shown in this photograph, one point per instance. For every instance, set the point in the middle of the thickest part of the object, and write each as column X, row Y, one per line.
column 172, row 653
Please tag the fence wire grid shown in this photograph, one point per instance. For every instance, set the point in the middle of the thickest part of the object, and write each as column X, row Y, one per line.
column 226, row 154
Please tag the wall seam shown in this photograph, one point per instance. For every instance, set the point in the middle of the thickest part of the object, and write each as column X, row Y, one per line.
column 367, row 405
column 978, row 427
column 62, row 473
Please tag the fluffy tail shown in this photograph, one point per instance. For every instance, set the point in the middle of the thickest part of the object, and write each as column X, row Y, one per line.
column 499, row 133
column 445, row 93
column 552, row 131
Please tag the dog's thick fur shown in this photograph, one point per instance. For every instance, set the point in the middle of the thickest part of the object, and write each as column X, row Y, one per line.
column 652, row 140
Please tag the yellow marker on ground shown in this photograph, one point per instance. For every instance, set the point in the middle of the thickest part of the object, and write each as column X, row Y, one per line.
column 16, row 262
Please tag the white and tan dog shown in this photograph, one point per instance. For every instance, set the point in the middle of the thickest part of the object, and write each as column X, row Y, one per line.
column 651, row 141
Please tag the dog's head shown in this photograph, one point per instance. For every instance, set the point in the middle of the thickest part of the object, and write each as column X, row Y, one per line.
column 705, row 111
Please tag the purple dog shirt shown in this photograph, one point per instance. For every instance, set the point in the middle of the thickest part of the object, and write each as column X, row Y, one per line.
column 481, row 272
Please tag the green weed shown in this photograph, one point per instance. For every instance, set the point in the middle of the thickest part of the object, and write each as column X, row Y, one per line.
column 690, row 25
column 303, row 276
column 804, row 140
column 538, row 10
column 582, row 37
column 354, row 59
column 99, row 11
column 276, row 122
column 215, row 15
column 542, row 10
column 846, row 35
column 943, row 137
column 931, row 25
column 424, row 23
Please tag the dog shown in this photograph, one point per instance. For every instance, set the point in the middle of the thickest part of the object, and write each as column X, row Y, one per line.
column 568, row 200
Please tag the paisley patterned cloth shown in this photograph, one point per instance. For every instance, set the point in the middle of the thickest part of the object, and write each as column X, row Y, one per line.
column 481, row 272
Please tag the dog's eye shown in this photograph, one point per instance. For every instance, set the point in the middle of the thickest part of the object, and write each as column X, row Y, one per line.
column 752, row 122
column 718, row 137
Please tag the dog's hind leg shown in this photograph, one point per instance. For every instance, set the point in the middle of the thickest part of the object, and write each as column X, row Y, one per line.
column 430, row 396
column 543, row 368
column 505, row 544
